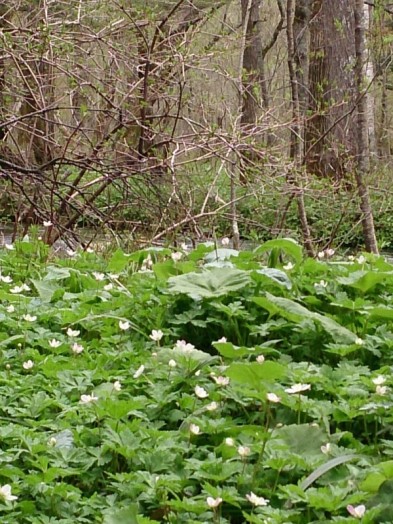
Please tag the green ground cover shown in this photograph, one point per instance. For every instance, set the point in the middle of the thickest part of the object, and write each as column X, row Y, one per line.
column 202, row 386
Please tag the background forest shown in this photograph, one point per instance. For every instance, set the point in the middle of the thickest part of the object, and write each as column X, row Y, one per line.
column 188, row 119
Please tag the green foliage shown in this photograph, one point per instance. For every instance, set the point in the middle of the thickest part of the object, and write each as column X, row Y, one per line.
column 265, row 391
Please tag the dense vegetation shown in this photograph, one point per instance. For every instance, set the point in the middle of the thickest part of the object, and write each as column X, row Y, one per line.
column 202, row 386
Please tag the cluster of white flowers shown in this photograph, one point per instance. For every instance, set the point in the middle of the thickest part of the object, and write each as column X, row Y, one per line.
column 255, row 500
column 184, row 347
column 326, row 253
column 19, row 289
column 87, row 399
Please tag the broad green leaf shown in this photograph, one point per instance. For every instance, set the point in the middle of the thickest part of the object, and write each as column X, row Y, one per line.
column 221, row 254
column 303, row 439
column 255, row 374
column 287, row 245
column 118, row 261
column 381, row 313
column 209, row 283
column 226, row 349
column 366, row 280
column 275, row 275
column 128, row 515
column 295, row 312
column 57, row 273
column 46, row 289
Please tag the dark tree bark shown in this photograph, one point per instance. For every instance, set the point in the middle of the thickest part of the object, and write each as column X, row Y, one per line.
column 330, row 137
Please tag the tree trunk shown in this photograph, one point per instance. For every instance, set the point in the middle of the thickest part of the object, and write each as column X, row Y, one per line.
column 330, row 136
column 253, row 66
column 296, row 131
column 362, row 131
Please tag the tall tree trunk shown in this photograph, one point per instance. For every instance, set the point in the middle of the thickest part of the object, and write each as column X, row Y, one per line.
column 330, row 137
column 296, row 131
column 362, row 131
column 252, row 64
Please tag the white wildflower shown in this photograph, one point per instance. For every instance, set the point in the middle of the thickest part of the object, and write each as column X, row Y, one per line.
column 77, row 348
column 108, row 287
column 139, row 371
column 356, row 511
column 124, row 325
column 243, row 451
column 176, row 256
column 225, row 241
column 5, row 493
column 47, row 223
column 212, row 406
column 54, row 343
column 86, row 399
column 98, row 276
column 379, row 380
column 194, row 429
column 359, row 341
column 156, row 335
column 29, row 318
column 321, row 255
column 221, row 381
column 117, row 385
column 326, row 448
column 72, row 332
column 298, row 388
column 183, row 346
column 52, row 442
column 10, row 308
column 201, row 392
column 213, row 503
column 381, row 390
column 255, row 500
column 288, row 266
column 272, row 397
column 29, row 364
column 172, row 363
column 260, row 359
column 229, row 441
column 7, row 279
